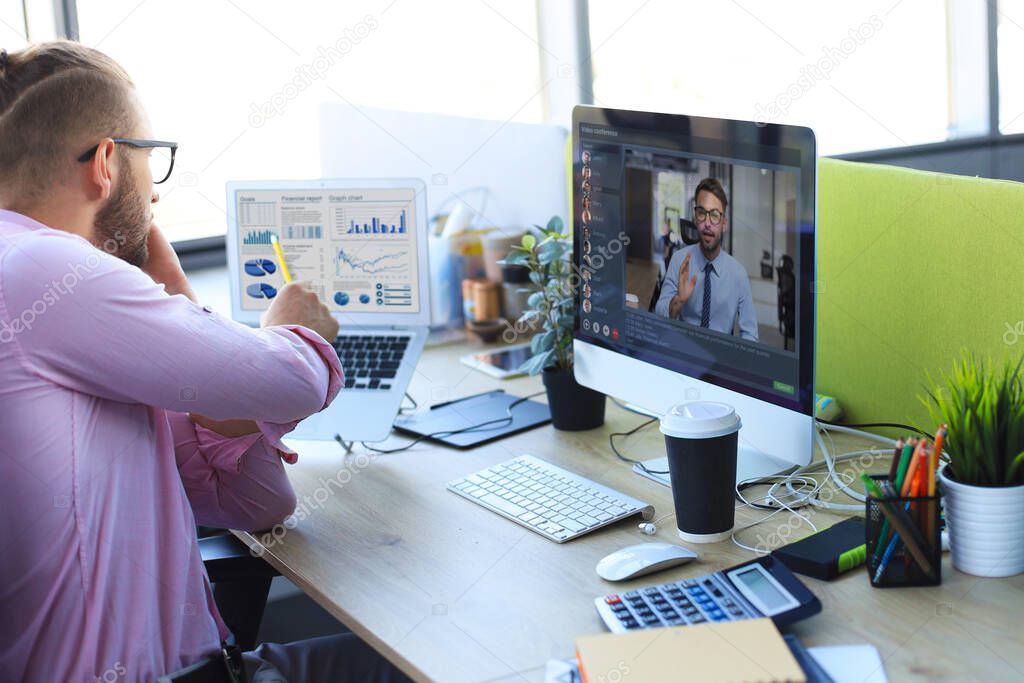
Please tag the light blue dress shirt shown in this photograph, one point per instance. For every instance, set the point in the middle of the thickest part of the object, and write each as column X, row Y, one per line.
column 730, row 292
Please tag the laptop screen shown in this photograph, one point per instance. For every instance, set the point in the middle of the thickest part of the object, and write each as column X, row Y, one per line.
column 356, row 247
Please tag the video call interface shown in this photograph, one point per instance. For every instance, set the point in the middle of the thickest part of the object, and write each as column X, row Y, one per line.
column 690, row 259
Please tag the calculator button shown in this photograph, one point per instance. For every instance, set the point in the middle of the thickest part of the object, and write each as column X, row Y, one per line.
column 697, row 619
column 613, row 600
column 631, row 623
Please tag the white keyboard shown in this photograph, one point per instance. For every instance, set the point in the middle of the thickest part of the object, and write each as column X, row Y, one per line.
column 553, row 502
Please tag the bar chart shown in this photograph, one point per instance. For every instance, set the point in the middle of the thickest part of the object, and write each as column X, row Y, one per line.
column 257, row 237
column 304, row 232
column 371, row 221
column 377, row 226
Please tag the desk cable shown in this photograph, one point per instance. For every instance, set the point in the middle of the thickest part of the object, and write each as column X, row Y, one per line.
column 496, row 423
column 800, row 488
column 631, row 432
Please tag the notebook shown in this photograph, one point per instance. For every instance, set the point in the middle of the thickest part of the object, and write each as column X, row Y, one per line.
column 742, row 651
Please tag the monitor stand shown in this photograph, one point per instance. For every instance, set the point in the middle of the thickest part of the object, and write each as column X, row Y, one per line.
column 750, row 464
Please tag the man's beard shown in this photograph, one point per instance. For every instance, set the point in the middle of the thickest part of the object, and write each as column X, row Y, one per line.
column 708, row 250
column 122, row 225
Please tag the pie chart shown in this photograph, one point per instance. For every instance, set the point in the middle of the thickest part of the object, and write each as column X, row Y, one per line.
column 341, row 298
column 258, row 267
column 261, row 290
column 364, row 298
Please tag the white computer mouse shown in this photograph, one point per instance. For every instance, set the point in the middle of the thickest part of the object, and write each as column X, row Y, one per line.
column 643, row 558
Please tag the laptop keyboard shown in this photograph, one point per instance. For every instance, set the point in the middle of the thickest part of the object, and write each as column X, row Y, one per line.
column 370, row 361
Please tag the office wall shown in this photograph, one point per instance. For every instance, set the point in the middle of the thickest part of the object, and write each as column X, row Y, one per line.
column 752, row 222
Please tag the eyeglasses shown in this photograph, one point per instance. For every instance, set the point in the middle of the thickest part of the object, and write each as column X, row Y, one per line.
column 700, row 213
column 161, row 156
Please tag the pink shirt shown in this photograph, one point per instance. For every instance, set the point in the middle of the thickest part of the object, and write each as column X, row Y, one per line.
column 103, row 477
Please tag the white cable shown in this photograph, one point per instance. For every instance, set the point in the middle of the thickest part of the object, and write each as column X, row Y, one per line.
column 857, row 432
column 758, row 551
column 770, row 497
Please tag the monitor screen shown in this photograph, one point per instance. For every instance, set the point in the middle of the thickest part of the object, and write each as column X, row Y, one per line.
column 356, row 247
column 694, row 247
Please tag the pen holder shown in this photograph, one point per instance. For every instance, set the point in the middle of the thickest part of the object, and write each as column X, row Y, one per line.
column 915, row 558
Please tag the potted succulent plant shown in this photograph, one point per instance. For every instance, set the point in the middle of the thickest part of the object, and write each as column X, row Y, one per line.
column 982, row 404
column 552, row 302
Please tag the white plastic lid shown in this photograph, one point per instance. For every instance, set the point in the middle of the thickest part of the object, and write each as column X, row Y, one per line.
column 700, row 420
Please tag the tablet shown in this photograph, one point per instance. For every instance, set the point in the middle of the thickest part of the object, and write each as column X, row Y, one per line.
column 454, row 423
column 503, row 363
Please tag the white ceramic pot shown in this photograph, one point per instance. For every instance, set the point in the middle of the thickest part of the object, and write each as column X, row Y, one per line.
column 986, row 527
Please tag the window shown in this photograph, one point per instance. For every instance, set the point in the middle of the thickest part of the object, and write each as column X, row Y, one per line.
column 1010, row 42
column 12, row 25
column 867, row 75
column 219, row 78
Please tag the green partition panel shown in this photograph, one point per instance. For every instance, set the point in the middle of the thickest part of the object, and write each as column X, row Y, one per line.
column 912, row 267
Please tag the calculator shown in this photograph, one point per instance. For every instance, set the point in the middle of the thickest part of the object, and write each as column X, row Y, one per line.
column 760, row 588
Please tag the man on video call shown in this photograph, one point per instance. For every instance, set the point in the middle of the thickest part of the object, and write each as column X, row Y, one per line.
column 703, row 285
column 129, row 412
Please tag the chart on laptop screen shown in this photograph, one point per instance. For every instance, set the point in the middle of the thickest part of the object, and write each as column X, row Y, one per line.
column 356, row 247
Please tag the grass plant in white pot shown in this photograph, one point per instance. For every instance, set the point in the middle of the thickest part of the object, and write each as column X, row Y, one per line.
column 982, row 403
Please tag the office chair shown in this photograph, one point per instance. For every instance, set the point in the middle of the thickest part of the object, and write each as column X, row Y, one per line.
column 688, row 231
column 786, row 300
column 241, row 583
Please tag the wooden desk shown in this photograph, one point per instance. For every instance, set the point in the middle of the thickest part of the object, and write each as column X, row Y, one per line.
column 452, row 592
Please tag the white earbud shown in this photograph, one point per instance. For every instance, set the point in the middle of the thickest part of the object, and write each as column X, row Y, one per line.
column 648, row 528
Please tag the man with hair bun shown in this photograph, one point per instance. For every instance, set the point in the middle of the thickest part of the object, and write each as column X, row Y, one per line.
column 128, row 412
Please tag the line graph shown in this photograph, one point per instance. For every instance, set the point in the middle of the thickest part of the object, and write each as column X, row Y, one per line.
column 371, row 261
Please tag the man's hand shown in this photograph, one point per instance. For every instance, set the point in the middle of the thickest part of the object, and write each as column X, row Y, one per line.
column 686, row 285
column 163, row 266
column 296, row 304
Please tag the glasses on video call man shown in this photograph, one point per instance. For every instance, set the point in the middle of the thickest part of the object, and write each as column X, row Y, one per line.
column 129, row 413
column 704, row 285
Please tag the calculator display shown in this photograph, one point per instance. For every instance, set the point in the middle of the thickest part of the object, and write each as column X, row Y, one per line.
column 758, row 585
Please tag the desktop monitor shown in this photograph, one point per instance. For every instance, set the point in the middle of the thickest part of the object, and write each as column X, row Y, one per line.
column 662, row 205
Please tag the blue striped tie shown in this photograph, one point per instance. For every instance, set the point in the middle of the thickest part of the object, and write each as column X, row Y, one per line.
column 705, row 309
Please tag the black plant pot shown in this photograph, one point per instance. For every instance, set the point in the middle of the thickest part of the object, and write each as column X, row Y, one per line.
column 574, row 407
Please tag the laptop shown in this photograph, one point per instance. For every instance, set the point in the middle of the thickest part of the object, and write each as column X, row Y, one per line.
column 362, row 246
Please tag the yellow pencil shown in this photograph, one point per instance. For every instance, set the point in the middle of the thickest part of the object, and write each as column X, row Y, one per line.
column 933, row 461
column 280, row 259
